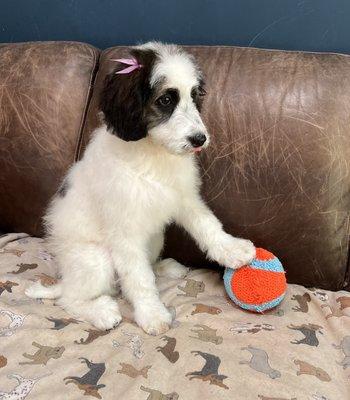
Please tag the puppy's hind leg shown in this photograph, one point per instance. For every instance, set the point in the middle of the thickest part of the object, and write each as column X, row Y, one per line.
column 39, row 291
column 167, row 267
column 88, row 280
column 170, row 268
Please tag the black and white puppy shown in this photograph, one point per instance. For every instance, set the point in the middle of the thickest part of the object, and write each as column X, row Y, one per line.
column 138, row 174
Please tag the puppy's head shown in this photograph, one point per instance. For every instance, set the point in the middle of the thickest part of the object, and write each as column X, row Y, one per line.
column 161, row 99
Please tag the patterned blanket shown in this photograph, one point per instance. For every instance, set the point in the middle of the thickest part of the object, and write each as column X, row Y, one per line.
column 299, row 351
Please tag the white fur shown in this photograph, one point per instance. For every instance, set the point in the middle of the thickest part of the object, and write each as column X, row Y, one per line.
column 121, row 196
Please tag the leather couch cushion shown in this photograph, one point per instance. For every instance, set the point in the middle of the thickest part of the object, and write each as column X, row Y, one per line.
column 277, row 170
column 44, row 89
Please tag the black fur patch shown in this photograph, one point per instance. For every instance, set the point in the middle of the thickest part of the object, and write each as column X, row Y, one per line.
column 124, row 98
column 158, row 113
column 198, row 94
column 63, row 189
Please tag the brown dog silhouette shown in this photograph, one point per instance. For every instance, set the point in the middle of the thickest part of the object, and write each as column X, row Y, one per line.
column 344, row 302
column 8, row 285
column 203, row 308
column 303, row 301
column 23, row 267
column 192, row 288
column 206, row 334
column 43, row 354
column 3, row 361
column 157, row 395
column 93, row 334
column 46, row 280
column 15, row 252
column 169, row 349
column 130, row 370
column 309, row 369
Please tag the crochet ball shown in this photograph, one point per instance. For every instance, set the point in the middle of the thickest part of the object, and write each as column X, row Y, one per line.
column 259, row 286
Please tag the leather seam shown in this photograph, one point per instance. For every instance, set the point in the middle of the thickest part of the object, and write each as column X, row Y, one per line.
column 88, row 97
column 273, row 50
column 251, row 48
column 346, row 281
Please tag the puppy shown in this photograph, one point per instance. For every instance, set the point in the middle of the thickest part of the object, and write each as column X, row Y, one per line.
column 138, row 174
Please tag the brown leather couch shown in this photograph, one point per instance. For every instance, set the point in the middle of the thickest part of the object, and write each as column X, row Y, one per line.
column 277, row 171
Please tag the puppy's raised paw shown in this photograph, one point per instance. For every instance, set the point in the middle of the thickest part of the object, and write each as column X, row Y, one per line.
column 233, row 252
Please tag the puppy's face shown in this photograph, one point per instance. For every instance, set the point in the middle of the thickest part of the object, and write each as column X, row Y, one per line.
column 161, row 100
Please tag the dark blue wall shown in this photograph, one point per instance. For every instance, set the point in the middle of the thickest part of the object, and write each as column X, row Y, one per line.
column 318, row 25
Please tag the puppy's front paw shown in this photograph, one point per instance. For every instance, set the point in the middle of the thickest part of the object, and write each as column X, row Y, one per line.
column 153, row 319
column 234, row 252
column 108, row 318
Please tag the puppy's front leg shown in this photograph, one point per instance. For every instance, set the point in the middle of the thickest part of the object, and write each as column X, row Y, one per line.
column 207, row 230
column 138, row 285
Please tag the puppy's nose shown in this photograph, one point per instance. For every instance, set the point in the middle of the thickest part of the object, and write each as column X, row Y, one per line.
column 197, row 140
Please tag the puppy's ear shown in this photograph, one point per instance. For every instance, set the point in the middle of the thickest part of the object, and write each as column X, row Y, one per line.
column 124, row 98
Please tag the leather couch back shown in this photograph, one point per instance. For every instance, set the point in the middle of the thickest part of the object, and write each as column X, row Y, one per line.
column 277, row 170
column 44, row 90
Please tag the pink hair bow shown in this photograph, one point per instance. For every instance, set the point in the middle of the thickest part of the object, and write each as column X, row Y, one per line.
column 128, row 61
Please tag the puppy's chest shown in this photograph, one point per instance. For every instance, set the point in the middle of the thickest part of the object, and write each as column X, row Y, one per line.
column 158, row 197
column 151, row 195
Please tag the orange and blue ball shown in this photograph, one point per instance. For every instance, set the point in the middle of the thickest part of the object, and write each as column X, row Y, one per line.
column 259, row 286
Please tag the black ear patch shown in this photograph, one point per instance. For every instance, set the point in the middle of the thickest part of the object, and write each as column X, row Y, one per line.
column 124, row 97
column 198, row 94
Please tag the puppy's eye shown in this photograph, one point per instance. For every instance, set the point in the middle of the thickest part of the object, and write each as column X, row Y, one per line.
column 198, row 92
column 164, row 100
